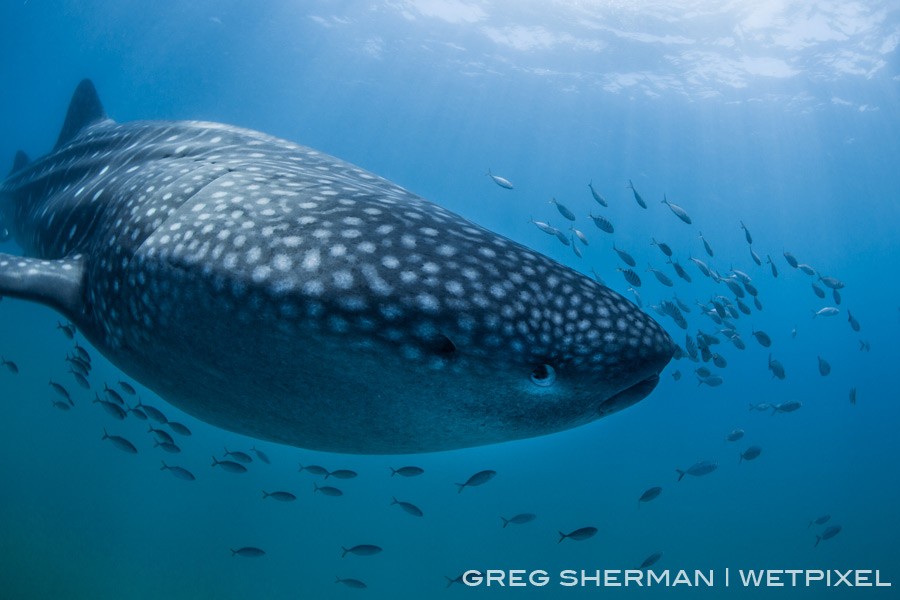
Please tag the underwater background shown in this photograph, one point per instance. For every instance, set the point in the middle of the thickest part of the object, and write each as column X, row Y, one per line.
column 782, row 115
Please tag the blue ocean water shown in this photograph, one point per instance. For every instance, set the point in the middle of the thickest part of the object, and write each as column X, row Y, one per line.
column 782, row 115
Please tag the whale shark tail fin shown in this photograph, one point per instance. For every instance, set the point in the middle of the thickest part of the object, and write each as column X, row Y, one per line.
column 85, row 109
column 55, row 283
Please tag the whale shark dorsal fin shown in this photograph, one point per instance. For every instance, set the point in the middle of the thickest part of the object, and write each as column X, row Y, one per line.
column 19, row 161
column 55, row 283
column 85, row 109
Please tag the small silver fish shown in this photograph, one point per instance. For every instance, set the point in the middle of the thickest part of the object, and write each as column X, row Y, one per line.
column 261, row 455
column 661, row 277
column 113, row 395
column 239, row 456
column 120, row 443
column 677, row 210
column 806, row 269
column 790, row 259
column 479, row 478
column 327, row 490
column 179, row 472
column 580, row 235
column 651, row 560
column 170, row 448
column 179, row 428
column 701, row 265
column 519, row 519
column 10, row 366
column 832, row 282
column 580, row 534
column 828, row 311
column 341, row 474
column 248, row 552
column 663, row 247
column 626, row 258
column 824, row 367
column 153, row 413
column 127, row 388
column 501, row 181
column 711, row 381
column 407, row 471
column 314, row 469
column 698, row 469
column 755, row 257
column 706, row 246
column 229, row 465
column 747, row 235
column 854, row 324
column 771, row 263
column 351, row 583
column 62, row 391
column 602, row 223
column 408, row 507
column 631, row 277
column 853, row 395
column 361, row 550
column 545, row 227
column 111, row 408
column 830, row 532
column 776, row 367
column 818, row 291
column 68, row 329
column 637, row 197
column 734, row 435
column 787, row 407
column 162, row 436
column 819, row 521
column 650, row 494
column 597, row 197
column 280, row 496
column 762, row 337
column 750, row 453
column 563, row 209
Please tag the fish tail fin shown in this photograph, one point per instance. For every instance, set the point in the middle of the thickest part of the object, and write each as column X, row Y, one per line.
column 562, row 536
column 105, row 435
column 301, row 467
column 461, row 486
column 394, row 500
column 343, row 552
column 814, row 313
column 393, row 471
column 233, row 552
column 265, row 494
column 630, row 185
column 680, row 474
column 164, row 465
column 315, row 487
column 156, row 443
column 449, row 580
column 327, row 474
column 214, row 462
column 810, row 525
column 699, row 381
column 505, row 522
column 818, row 539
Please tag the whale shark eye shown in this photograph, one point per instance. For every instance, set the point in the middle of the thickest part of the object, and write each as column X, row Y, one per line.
column 543, row 375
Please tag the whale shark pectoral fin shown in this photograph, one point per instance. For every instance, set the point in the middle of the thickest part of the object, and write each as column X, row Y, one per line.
column 85, row 109
column 56, row 283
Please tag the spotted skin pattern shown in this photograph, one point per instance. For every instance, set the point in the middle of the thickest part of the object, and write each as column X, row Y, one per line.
column 279, row 292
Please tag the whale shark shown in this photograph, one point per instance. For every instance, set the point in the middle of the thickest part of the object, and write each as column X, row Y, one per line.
column 278, row 292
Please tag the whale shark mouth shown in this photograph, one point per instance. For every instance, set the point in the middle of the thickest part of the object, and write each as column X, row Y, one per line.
column 628, row 396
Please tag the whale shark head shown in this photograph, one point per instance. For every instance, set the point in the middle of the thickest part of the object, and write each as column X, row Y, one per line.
column 282, row 293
